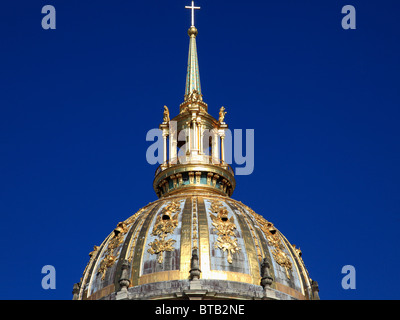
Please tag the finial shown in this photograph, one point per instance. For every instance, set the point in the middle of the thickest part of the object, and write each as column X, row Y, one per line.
column 192, row 32
column 124, row 281
column 75, row 291
column 192, row 7
column 266, row 279
column 315, row 290
column 194, row 265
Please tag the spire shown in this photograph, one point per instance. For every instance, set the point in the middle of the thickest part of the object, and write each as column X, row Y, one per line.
column 195, row 141
column 193, row 75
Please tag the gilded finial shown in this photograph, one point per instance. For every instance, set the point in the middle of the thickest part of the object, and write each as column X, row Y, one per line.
column 192, row 32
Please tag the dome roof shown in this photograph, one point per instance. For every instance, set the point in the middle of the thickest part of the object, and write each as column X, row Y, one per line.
column 202, row 244
column 195, row 242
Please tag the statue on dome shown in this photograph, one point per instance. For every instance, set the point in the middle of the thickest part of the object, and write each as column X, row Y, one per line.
column 166, row 115
column 195, row 96
column 222, row 114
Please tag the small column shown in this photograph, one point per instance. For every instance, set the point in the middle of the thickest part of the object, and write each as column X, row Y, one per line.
column 200, row 135
column 194, row 131
column 165, row 159
column 221, row 133
column 173, row 142
column 223, row 149
column 164, row 128
column 189, row 135
column 195, row 138
column 214, row 147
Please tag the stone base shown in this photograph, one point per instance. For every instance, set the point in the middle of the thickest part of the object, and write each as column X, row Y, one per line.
column 201, row 289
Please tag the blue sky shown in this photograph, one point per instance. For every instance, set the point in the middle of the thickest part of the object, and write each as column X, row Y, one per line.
column 76, row 104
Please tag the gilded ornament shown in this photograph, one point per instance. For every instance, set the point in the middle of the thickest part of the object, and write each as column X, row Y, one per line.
column 140, row 224
column 195, row 235
column 164, row 225
column 298, row 252
column 227, row 240
column 282, row 259
column 159, row 246
column 222, row 114
column 194, row 96
column 107, row 262
column 92, row 254
column 274, row 240
column 111, row 253
column 166, row 115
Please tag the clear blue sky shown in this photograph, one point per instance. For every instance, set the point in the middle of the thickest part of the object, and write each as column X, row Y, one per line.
column 76, row 104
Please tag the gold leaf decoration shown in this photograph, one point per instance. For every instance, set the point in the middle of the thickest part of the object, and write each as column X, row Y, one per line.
column 92, row 254
column 110, row 256
column 274, row 240
column 159, row 246
column 107, row 262
column 225, row 227
column 165, row 224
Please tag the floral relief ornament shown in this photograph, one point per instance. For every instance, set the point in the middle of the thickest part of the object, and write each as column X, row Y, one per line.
column 111, row 253
column 165, row 224
column 227, row 240
column 275, row 241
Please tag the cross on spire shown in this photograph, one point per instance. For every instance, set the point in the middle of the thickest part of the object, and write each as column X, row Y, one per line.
column 192, row 7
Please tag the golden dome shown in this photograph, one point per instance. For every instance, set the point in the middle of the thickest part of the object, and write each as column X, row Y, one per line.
column 195, row 241
column 240, row 254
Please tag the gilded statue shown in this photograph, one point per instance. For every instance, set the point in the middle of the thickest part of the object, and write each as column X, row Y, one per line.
column 222, row 114
column 166, row 115
column 194, row 96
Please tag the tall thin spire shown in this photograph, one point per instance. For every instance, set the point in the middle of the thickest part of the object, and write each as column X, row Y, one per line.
column 193, row 74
